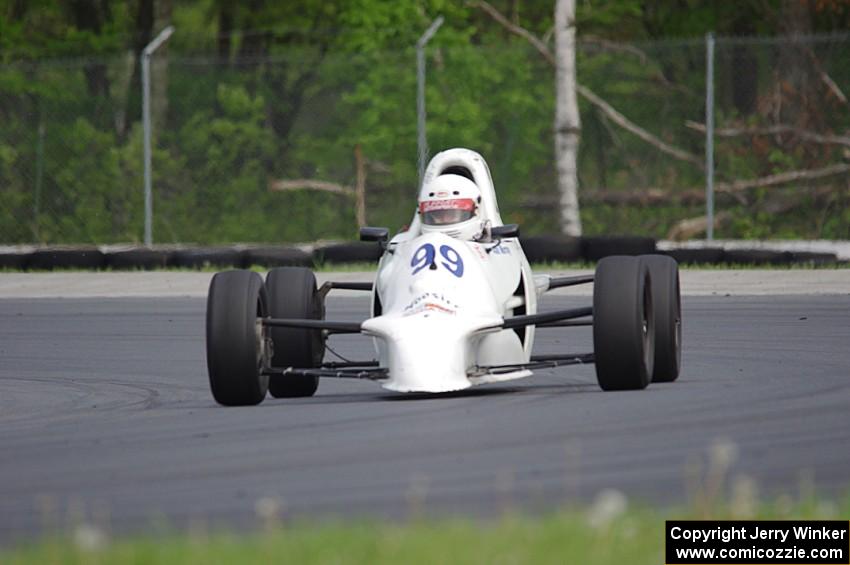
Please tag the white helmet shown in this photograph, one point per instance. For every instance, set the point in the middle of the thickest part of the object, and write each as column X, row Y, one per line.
column 450, row 205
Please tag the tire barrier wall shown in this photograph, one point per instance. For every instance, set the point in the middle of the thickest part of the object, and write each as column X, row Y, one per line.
column 551, row 248
column 704, row 256
column 207, row 257
column 597, row 247
column 139, row 258
column 277, row 256
column 13, row 260
column 356, row 252
column 538, row 249
column 717, row 256
column 50, row 258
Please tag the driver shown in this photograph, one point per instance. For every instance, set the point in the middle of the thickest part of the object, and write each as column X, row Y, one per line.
column 450, row 205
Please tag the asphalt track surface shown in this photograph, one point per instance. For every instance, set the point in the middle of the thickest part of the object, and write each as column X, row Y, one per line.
column 106, row 417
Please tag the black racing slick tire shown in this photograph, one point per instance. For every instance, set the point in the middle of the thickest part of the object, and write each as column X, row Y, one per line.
column 667, row 311
column 623, row 324
column 293, row 294
column 237, row 345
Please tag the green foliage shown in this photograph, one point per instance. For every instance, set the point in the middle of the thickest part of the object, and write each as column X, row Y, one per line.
column 295, row 87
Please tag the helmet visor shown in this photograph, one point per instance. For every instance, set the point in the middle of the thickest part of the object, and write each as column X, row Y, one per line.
column 446, row 212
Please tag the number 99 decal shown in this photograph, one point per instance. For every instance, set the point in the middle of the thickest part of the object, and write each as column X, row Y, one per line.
column 453, row 262
column 425, row 255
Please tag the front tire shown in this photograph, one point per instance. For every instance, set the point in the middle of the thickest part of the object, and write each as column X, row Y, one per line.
column 623, row 324
column 292, row 294
column 667, row 310
column 237, row 347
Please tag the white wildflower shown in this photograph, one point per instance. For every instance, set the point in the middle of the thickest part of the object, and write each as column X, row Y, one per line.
column 608, row 505
column 89, row 538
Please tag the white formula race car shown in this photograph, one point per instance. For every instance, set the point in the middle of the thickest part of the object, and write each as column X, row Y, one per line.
column 447, row 312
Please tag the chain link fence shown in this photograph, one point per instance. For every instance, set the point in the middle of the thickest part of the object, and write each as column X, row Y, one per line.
column 783, row 137
column 274, row 149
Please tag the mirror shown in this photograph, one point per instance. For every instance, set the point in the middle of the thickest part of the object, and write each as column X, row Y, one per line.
column 374, row 234
column 507, row 230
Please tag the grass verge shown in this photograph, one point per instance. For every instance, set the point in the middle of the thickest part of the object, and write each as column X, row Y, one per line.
column 605, row 532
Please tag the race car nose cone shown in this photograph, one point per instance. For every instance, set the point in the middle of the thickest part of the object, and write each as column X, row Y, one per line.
column 427, row 352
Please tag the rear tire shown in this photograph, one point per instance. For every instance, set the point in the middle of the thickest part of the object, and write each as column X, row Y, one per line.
column 667, row 310
column 623, row 324
column 237, row 350
column 292, row 294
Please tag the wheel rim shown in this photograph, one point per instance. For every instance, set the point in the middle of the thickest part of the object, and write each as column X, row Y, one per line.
column 647, row 329
column 264, row 345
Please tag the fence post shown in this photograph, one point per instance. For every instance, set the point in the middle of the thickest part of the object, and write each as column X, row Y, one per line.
column 147, row 52
column 39, row 175
column 420, row 93
column 709, row 135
